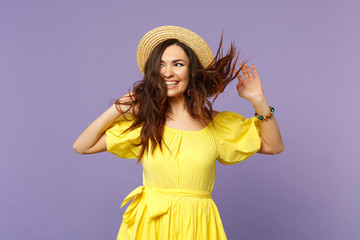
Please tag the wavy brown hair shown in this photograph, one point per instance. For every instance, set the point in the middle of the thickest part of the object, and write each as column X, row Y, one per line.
column 148, row 101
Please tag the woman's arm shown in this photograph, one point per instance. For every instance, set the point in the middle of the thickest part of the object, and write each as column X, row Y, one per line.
column 271, row 141
column 251, row 89
column 92, row 139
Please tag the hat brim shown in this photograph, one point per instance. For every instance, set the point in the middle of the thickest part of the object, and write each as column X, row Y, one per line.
column 152, row 38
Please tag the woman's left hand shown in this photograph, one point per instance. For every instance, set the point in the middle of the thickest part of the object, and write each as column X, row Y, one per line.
column 249, row 86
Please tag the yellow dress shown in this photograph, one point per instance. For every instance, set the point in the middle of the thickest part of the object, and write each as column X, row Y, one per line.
column 175, row 199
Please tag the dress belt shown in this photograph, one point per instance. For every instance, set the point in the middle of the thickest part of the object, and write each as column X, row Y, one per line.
column 156, row 206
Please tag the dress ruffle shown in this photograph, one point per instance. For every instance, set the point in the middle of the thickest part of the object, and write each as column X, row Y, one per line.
column 237, row 138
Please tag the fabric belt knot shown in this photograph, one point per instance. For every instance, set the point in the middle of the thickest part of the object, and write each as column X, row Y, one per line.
column 155, row 205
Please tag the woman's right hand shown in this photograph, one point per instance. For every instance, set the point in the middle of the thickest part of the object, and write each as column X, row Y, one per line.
column 93, row 139
column 127, row 98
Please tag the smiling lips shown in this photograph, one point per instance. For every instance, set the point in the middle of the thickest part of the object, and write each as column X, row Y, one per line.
column 171, row 84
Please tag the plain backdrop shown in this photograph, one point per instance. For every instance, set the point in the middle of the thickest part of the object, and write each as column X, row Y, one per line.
column 62, row 62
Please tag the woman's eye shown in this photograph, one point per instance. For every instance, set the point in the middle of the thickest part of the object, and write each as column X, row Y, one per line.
column 179, row 64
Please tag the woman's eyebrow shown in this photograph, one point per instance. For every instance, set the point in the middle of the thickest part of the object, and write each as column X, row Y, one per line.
column 174, row 61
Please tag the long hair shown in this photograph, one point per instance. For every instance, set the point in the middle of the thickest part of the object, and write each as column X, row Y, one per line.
column 148, row 99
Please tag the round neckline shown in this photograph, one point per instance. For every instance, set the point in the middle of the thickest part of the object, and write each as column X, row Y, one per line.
column 188, row 131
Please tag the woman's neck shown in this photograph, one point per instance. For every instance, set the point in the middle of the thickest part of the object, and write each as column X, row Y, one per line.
column 177, row 105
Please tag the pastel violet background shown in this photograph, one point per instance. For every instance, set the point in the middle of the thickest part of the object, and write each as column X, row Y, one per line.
column 61, row 62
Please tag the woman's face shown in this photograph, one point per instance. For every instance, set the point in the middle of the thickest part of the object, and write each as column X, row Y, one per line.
column 174, row 68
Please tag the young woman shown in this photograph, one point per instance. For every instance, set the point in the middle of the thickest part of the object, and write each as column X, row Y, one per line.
column 168, row 124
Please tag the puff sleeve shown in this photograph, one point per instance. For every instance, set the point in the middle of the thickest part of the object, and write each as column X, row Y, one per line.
column 236, row 138
column 123, row 144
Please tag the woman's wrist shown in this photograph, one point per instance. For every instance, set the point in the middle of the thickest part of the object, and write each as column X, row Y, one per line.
column 114, row 111
column 258, row 101
column 261, row 105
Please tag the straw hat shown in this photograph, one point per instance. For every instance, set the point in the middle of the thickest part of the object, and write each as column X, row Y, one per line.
column 152, row 38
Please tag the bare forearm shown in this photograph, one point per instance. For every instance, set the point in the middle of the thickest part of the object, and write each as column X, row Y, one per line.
column 271, row 140
column 91, row 135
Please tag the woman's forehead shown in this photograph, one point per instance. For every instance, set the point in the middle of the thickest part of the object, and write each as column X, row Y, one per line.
column 174, row 52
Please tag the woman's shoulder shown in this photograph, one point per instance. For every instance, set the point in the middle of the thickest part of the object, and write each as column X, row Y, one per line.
column 228, row 119
column 226, row 114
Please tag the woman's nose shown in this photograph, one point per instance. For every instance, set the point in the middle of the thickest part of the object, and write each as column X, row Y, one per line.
column 167, row 72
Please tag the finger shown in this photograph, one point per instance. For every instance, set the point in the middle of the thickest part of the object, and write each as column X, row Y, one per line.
column 245, row 72
column 248, row 70
column 240, row 78
column 241, row 67
column 240, row 87
column 255, row 71
column 237, row 73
